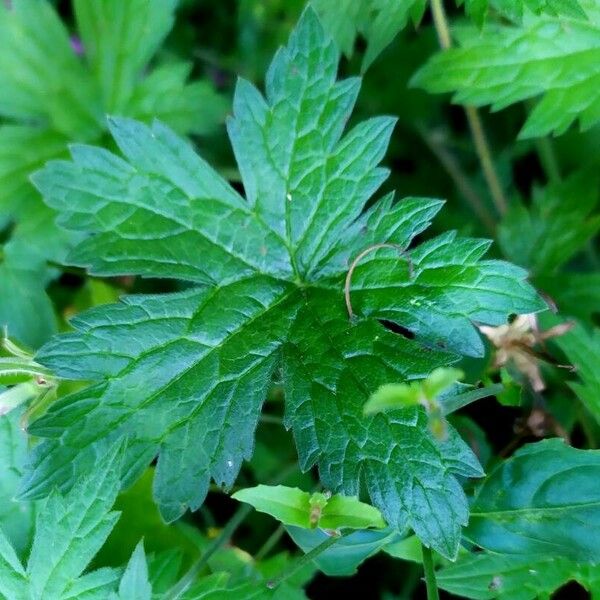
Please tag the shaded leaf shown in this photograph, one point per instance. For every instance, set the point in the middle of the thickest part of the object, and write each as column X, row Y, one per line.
column 543, row 501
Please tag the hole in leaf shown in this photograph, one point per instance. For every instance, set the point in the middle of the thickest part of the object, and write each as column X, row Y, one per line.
column 396, row 328
column 571, row 591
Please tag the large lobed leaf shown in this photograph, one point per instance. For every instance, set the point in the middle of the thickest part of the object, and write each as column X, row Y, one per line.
column 556, row 57
column 184, row 375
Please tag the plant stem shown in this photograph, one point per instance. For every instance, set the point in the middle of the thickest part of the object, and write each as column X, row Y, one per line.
column 545, row 151
column 477, row 132
column 485, row 159
column 430, row 582
column 271, row 420
column 187, row 580
column 308, row 557
column 441, row 24
column 453, row 168
column 548, row 159
column 226, row 533
column 270, row 543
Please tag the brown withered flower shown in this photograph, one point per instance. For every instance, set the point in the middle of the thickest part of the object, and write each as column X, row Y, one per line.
column 522, row 343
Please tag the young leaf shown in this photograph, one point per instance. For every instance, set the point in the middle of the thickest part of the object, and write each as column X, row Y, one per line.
column 400, row 395
column 502, row 65
column 543, row 501
column 292, row 506
column 184, row 375
column 135, row 584
column 73, row 527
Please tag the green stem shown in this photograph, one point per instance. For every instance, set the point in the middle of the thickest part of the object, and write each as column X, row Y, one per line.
column 548, row 159
column 187, row 580
column 308, row 557
column 441, row 24
column 485, row 159
column 430, row 582
column 545, row 151
column 453, row 168
column 270, row 543
column 227, row 532
column 271, row 420
column 477, row 132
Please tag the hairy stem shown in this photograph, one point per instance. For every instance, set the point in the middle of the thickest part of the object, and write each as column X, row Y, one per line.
column 430, row 582
column 477, row 132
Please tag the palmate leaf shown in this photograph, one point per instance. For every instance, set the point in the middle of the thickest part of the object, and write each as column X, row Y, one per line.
column 53, row 96
column 184, row 375
column 549, row 56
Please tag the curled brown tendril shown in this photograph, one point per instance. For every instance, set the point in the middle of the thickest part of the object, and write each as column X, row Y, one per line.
column 364, row 253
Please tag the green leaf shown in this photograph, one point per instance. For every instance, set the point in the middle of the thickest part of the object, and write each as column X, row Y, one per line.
column 514, row 9
column 507, row 577
column 134, row 584
column 501, row 65
column 292, row 506
column 53, row 97
column 115, row 59
column 582, row 348
column 400, row 395
column 378, row 21
column 409, row 548
column 344, row 557
column 74, row 527
column 476, row 9
column 16, row 518
column 575, row 294
column 140, row 519
column 559, row 223
column 543, row 501
column 184, row 375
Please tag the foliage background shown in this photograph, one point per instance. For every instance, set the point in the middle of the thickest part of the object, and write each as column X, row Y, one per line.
column 550, row 184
